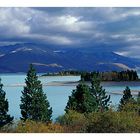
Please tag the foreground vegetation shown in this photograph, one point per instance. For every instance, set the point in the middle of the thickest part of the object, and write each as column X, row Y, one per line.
column 74, row 122
column 88, row 110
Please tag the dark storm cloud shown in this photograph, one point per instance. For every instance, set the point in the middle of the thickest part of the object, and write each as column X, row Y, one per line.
column 114, row 27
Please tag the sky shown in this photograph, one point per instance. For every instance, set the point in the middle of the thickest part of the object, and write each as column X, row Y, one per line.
column 116, row 28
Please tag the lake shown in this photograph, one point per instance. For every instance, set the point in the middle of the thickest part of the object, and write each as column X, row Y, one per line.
column 56, row 94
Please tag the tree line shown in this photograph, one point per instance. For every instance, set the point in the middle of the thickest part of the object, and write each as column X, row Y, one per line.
column 84, row 101
column 129, row 75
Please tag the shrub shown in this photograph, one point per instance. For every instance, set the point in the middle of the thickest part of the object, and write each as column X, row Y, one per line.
column 113, row 122
column 73, row 122
column 130, row 107
column 8, row 128
column 38, row 127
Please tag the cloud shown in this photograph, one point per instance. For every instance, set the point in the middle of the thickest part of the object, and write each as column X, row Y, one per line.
column 131, row 51
column 27, row 23
column 117, row 28
column 13, row 23
column 60, row 40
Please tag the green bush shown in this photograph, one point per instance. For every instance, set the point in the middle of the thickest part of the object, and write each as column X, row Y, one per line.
column 101, row 122
column 125, row 121
column 73, row 122
column 113, row 122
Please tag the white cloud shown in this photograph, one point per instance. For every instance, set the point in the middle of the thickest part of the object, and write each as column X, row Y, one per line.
column 68, row 19
column 13, row 22
column 29, row 24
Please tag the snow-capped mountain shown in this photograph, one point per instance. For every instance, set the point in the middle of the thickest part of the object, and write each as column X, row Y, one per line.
column 16, row 58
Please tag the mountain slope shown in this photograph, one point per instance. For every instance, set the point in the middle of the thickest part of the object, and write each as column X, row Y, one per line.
column 16, row 58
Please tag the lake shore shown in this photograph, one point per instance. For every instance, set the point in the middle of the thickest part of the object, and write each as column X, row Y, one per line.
column 104, row 84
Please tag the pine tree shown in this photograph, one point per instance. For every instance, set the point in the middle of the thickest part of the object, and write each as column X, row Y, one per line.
column 138, row 103
column 34, row 104
column 127, row 97
column 97, row 91
column 81, row 100
column 4, row 117
column 138, row 96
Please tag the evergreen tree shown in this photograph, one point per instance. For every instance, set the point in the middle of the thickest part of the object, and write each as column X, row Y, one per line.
column 138, row 96
column 4, row 117
column 81, row 100
column 127, row 98
column 34, row 104
column 138, row 102
column 97, row 91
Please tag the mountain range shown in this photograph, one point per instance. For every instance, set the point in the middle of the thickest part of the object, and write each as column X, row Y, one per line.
column 48, row 58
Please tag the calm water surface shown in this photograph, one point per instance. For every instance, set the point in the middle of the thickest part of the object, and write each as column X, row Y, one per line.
column 57, row 95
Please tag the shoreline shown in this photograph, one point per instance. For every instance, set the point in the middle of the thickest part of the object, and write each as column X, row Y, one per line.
column 75, row 83
column 104, row 84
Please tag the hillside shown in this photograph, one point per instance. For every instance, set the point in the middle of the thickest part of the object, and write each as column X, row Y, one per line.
column 16, row 58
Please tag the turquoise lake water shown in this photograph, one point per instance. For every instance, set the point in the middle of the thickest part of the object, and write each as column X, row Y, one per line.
column 57, row 95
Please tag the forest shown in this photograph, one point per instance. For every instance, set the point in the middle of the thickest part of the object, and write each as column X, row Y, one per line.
column 129, row 75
